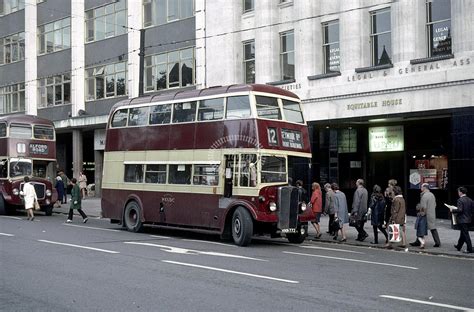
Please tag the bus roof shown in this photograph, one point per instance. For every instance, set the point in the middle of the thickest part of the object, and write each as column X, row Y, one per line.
column 26, row 119
column 185, row 94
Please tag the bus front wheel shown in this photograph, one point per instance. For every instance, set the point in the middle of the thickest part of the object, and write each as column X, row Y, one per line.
column 132, row 219
column 242, row 227
column 48, row 210
column 298, row 238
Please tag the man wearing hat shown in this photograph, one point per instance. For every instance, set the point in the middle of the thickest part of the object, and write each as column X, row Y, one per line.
column 428, row 202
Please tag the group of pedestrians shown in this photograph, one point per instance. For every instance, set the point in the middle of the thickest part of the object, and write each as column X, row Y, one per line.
column 61, row 183
column 383, row 209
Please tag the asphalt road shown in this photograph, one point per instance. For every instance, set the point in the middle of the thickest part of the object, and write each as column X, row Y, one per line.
column 47, row 265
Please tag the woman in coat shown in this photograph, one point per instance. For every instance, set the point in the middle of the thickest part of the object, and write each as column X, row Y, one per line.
column 316, row 203
column 60, row 188
column 83, row 183
column 329, row 206
column 29, row 196
column 340, row 206
column 76, row 202
column 421, row 225
column 399, row 213
column 377, row 207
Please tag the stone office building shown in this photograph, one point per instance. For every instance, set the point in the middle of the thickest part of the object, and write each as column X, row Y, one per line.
column 70, row 61
column 387, row 86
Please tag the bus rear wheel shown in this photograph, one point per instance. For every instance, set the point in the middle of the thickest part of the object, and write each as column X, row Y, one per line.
column 132, row 217
column 242, row 227
column 299, row 237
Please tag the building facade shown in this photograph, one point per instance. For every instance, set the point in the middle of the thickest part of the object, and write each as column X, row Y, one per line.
column 71, row 61
column 387, row 86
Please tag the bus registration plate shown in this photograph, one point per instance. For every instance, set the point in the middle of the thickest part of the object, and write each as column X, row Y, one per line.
column 289, row 230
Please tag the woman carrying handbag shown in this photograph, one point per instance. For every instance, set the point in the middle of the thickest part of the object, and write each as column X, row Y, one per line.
column 29, row 196
column 421, row 225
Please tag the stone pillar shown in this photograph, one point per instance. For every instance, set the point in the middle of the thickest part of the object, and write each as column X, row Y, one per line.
column 267, row 45
column 354, row 38
column 77, row 60
column 31, row 85
column 200, row 54
column 134, row 21
column 77, row 155
column 408, row 29
column 462, row 23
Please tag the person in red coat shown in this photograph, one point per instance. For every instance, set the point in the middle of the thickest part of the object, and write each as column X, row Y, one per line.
column 316, row 203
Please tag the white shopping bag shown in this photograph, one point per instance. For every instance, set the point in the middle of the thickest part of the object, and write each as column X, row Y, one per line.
column 394, row 234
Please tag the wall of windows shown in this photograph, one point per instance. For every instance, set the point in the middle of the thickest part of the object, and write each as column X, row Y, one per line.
column 12, row 99
column 170, row 70
column 381, row 37
column 438, row 24
column 158, row 12
column 331, row 47
column 287, row 55
column 12, row 48
column 54, row 91
column 106, row 81
column 54, row 36
column 106, row 21
column 10, row 6
column 249, row 61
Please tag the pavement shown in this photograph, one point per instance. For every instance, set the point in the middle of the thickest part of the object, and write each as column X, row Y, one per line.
column 448, row 236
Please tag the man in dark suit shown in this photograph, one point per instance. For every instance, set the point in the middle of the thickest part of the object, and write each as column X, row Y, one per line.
column 464, row 216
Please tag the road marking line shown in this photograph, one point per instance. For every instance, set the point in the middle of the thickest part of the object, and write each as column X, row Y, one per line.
column 160, row 236
column 428, row 303
column 10, row 217
column 78, row 246
column 352, row 260
column 333, row 249
column 5, row 234
column 90, row 227
column 208, row 242
column 232, row 272
column 186, row 251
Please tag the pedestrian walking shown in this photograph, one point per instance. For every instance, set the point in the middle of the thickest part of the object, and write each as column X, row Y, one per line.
column 66, row 182
column 82, row 184
column 340, row 205
column 398, row 214
column 389, row 195
column 302, row 194
column 329, row 206
column 316, row 203
column 59, row 186
column 30, row 198
column 428, row 203
column 359, row 209
column 76, row 202
column 463, row 214
column 421, row 226
column 377, row 208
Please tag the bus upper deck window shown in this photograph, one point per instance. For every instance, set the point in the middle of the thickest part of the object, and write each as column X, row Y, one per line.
column 292, row 111
column 267, row 107
column 138, row 116
column 20, row 131
column 212, row 109
column 184, row 112
column 120, row 118
column 238, row 107
column 160, row 114
column 43, row 133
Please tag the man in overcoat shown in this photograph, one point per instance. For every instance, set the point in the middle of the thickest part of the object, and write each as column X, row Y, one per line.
column 464, row 217
column 428, row 203
column 359, row 209
column 76, row 202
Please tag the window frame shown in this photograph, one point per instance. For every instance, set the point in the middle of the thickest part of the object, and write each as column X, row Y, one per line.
column 44, row 85
column 246, row 9
column 373, row 35
column 49, row 28
column 101, row 72
column 153, row 17
column 11, row 94
column 325, row 45
column 100, row 14
column 13, row 47
column 286, row 53
column 431, row 23
column 250, row 60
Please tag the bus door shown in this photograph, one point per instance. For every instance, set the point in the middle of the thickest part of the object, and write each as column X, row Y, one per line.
column 230, row 162
column 240, row 172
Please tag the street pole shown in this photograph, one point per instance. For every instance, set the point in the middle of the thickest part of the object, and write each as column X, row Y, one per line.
column 142, row 62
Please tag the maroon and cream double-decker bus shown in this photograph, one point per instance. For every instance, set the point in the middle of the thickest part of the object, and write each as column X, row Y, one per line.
column 27, row 148
column 213, row 160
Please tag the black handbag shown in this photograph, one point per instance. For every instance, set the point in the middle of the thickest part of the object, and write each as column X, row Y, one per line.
column 335, row 225
column 353, row 221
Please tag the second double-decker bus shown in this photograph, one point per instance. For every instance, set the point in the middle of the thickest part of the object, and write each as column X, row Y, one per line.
column 27, row 148
column 214, row 160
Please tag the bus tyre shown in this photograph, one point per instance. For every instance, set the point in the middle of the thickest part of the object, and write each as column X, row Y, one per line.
column 3, row 206
column 298, row 238
column 132, row 217
column 48, row 210
column 242, row 227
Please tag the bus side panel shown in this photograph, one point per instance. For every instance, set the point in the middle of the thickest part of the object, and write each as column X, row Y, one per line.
column 113, row 203
column 245, row 130
column 182, row 135
column 208, row 134
column 157, row 138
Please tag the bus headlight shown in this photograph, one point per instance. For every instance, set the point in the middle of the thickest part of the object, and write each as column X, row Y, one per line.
column 303, row 206
column 48, row 193
column 16, row 192
column 273, row 206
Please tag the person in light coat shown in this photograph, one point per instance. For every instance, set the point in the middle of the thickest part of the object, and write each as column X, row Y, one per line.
column 82, row 184
column 329, row 208
column 359, row 209
column 340, row 205
column 29, row 196
column 428, row 204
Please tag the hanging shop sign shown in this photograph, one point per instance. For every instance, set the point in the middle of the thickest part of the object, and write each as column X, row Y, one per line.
column 386, row 139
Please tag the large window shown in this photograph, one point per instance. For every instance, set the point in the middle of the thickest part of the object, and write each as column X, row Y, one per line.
column 10, row 6
column 331, row 47
column 54, row 91
column 438, row 24
column 381, row 37
column 106, row 21
column 248, row 5
column 273, row 169
column 158, row 12
column 180, row 174
column 12, row 99
column 106, row 81
column 206, row 175
column 12, row 48
column 155, row 174
column 249, row 61
column 54, row 36
column 287, row 55
column 169, row 70
column 133, row 173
